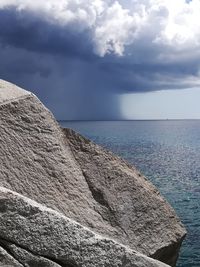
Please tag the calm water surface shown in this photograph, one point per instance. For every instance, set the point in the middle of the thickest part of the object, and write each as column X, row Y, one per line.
column 168, row 153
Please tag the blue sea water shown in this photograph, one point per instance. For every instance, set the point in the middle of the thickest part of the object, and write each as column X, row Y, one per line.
column 168, row 153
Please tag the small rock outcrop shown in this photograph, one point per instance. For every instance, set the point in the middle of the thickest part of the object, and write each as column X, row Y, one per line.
column 66, row 172
column 42, row 231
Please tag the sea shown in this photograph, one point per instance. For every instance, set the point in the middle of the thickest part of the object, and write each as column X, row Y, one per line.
column 167, row 152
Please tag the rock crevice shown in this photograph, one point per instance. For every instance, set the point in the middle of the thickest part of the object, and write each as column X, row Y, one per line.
column 27, row 258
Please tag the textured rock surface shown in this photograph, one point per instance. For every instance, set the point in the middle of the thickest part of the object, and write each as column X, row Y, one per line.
column 6, row 260
column 47, row 233
column 88, row 184
column 12, row 92
column 27, row 258
column 128, row 201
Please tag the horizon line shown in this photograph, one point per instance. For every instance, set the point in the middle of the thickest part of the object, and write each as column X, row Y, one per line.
column 84, row 120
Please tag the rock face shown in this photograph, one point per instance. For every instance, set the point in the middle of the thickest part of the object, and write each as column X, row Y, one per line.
column 44, row 232
column 128, row 201
column 6, row 260
column 68, row 173
column 25, row 257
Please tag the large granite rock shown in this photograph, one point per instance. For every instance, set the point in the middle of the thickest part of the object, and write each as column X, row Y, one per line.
column 47, row 233
column 70, row 174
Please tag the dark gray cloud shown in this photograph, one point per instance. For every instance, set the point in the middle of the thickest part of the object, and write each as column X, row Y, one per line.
column 28, row 31
column 80, row 74
column 70, row 87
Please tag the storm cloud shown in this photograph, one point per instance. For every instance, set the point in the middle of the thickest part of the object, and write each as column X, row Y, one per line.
column 80, row 56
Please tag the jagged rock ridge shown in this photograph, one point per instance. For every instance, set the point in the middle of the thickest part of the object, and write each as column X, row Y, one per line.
column 68, row 173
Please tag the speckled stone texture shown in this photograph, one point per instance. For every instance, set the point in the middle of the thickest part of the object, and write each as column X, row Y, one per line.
column 26, row 258
column 70, row 174
column 9, row 92
column 47, row 233
column 6, row 260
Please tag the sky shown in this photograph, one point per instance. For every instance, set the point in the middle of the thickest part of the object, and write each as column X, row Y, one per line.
column 104, row 60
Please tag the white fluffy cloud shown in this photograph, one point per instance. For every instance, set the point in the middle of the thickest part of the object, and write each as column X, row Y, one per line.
column 117, row 24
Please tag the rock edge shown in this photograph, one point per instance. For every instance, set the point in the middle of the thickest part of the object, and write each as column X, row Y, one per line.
column 47, row 233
